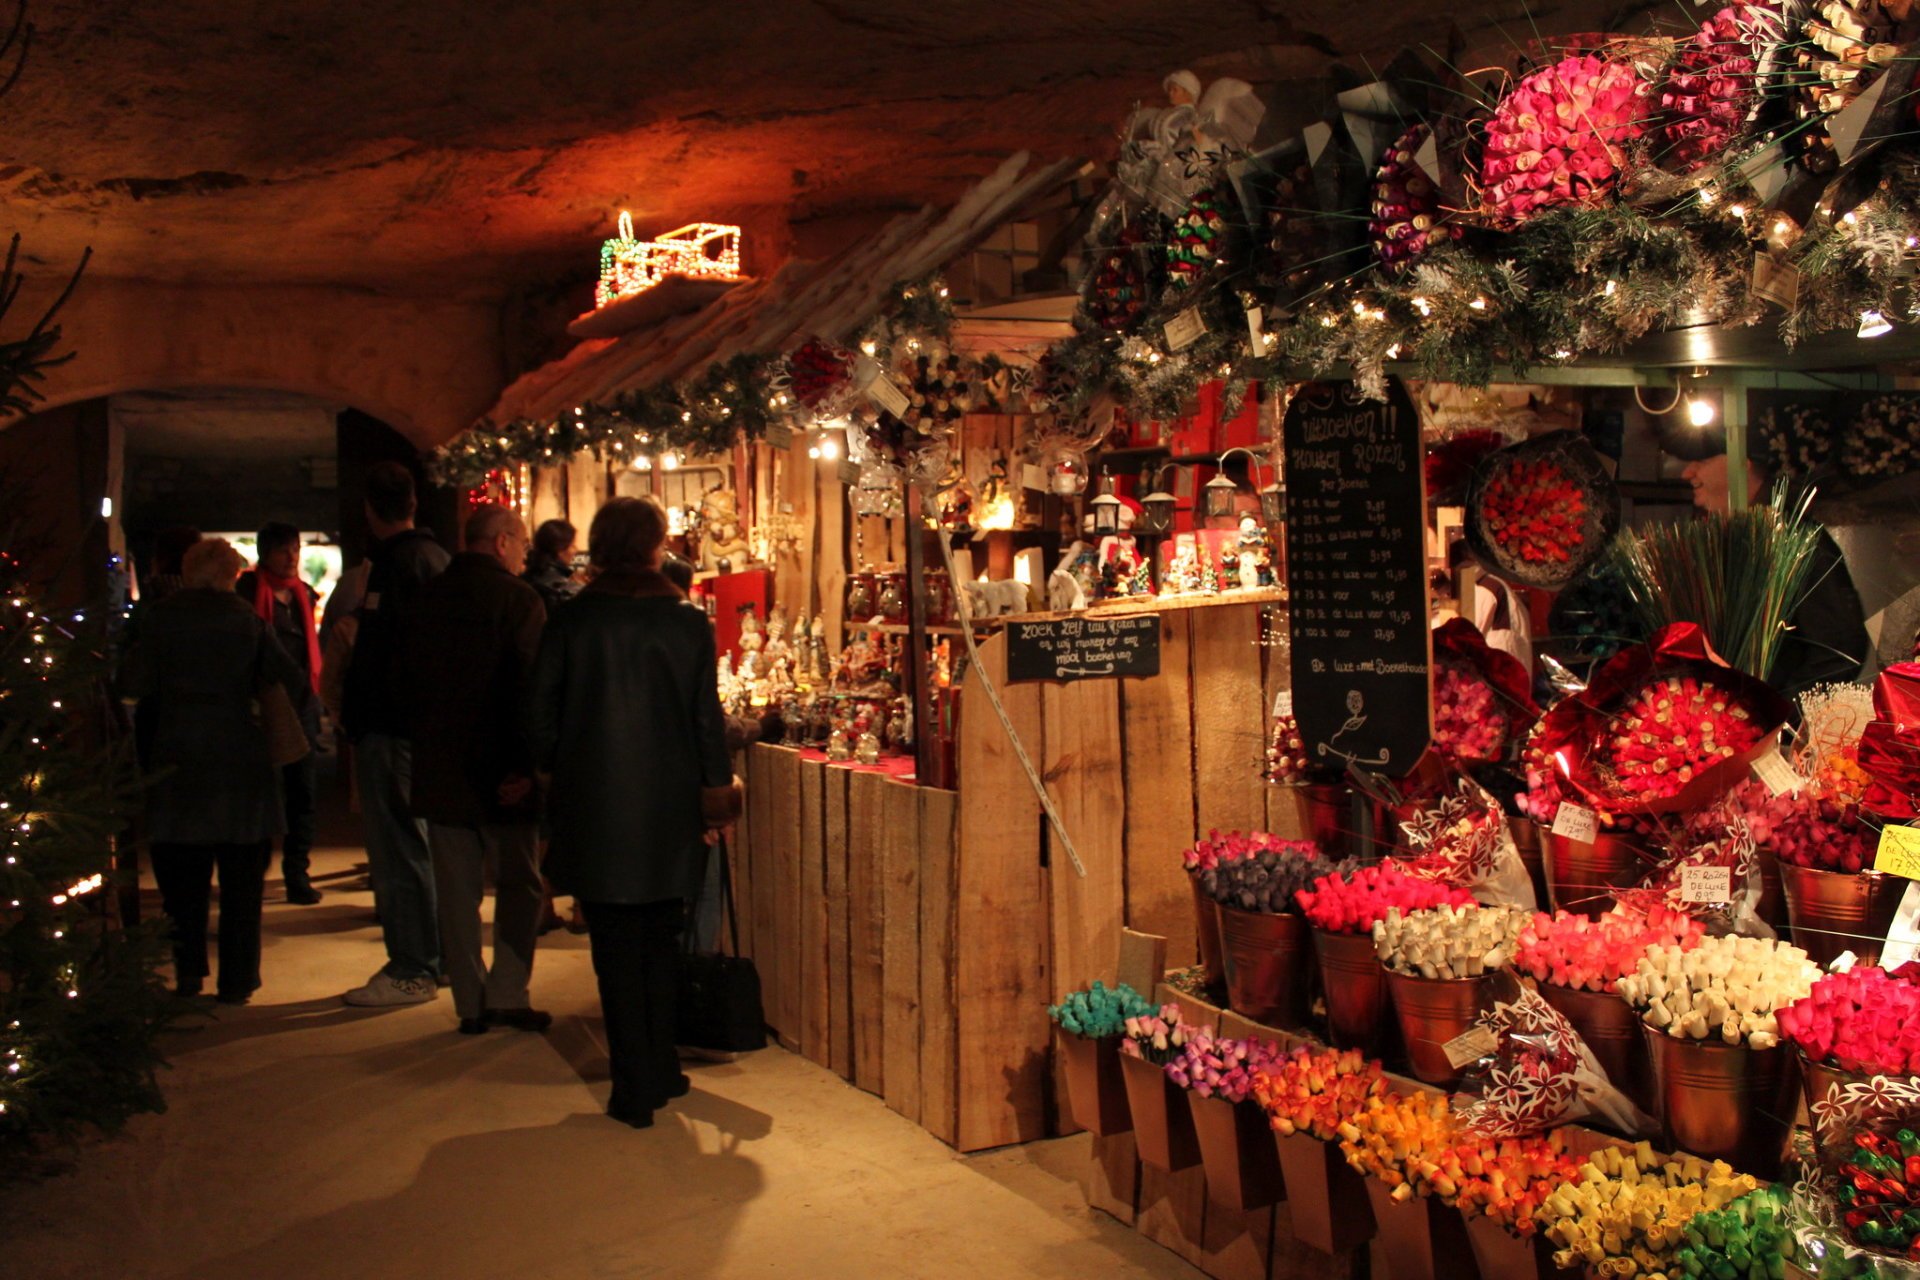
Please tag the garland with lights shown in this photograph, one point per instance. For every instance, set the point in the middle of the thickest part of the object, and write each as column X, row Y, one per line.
column 80, row 998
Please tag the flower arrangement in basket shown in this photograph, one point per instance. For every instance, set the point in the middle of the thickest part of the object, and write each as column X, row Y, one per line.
column 1312, row 1090
column 1099, row 1011
column 1729, row 989
column 1663, row 727
column 1448, row 941
column 1261, row 872
column 1223, row 1067
column 1541, row 511
column 1746, row 1240
column 1157, row 1035
column 1561, row 137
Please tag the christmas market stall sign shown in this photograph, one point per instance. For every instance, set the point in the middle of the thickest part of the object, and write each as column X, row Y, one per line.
column 1076, row 648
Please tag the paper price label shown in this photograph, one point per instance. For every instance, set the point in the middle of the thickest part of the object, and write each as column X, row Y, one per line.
column 1257, row 329
column 1706, row 884
column 779, row 435
column 849, row 472
column 1777, row 774
column 886, row 393
column 1575, row 823
column 1774, row 281
column 1185, row 329
column 1469, row 1046
column 1283, row 703
column 1899, row 852
column 1032, row 477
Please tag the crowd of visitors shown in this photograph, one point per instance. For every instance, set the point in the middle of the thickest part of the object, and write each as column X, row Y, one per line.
column 496, row 703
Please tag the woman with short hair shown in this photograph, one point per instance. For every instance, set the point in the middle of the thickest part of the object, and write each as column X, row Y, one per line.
column 198, row 667
column 626, row 718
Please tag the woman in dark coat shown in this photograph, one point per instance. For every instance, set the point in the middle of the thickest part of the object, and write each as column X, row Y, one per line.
column 626, row 718
column 197, row 667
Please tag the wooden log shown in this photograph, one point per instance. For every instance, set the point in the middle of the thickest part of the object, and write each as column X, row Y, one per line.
column 865, row 846
column 1000, row 934
column 839, row 957
column 900, row 950
column 1159, row 792
column 783, row 847
column 1229, row 740
column 1082, row 765
column 815, row 1014
column 939, row 1101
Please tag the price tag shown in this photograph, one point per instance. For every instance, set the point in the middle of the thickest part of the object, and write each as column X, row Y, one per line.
column 1706, row 884
column 886, row 393
column 1032, row 477
column 849, row 472
column 1185, row 329
column 1283, row 703
column 1775, row 281
column 1257, row 329
column 779, row 435
column 1903, row 939
column 1470, row 1046
column 1899, row 852
column 1575, row 823
column 1777, row 774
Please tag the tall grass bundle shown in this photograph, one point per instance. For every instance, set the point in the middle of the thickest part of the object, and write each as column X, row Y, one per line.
column 1739, row 576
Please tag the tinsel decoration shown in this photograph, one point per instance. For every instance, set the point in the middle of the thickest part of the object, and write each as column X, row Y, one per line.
column 1560, row 137
column 1715, row 84
column 1407, row 212
column 1199, row 239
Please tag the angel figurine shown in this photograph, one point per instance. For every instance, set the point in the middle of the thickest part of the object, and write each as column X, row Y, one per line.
column 1169, row 154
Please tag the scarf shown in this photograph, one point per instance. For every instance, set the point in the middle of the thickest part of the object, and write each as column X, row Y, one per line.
column 264, row 586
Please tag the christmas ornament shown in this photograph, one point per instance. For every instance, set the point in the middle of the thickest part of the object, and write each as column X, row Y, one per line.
column 1407, row 216
column 1560, row 137
column 1716, row 82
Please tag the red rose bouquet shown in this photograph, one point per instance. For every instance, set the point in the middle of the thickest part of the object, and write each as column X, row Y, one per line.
column 1534, row 512
column 1540, row 511
column 1481, row 697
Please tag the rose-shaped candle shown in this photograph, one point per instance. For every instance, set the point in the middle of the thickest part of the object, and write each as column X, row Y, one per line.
column 1728, row 988
column 1865, row 1020
column 1355, row 902
column 1591, row 954
column 1448, row 942
column 1312, row 1091
column 1625, row 1213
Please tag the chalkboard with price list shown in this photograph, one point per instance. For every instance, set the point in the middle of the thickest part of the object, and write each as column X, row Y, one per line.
column 1357, row 578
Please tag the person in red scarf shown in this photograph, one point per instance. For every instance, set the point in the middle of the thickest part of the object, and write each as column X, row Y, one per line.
column 285, row 603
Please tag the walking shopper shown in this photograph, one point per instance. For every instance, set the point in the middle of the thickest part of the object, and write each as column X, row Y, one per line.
column 198, row 668
column 404, row 559
column 285, row 603
column 471, row 639
column 627, row 720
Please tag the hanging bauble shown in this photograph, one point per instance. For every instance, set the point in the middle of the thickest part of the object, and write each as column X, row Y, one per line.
column 1117, row 288
column 1715, row 84
column 1560, row 137
column 1199, row 239
column 818, row 370
column 1407, row 213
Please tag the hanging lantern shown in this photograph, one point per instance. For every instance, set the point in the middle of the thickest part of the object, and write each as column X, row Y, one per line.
column 1273, row 505
column 1106, row 509
column 1156, row 509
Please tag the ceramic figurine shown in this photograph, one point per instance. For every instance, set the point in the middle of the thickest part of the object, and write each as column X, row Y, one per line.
column 1253, row 555
column 722, row 539
column 1183, row 570
column 775, row 644
column 819, row 650
column 860, row 598
column 900, row 727
column 1119, row 556
column 868, row 749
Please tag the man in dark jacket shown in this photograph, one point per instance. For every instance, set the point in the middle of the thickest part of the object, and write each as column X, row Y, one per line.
column 471, row 636
column 283, row 600
column 403, row 560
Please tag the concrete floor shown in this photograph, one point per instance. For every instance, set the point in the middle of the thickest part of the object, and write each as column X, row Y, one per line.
column 304, row 1138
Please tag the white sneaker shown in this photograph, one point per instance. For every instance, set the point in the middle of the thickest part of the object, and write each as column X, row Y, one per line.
column 385, row 990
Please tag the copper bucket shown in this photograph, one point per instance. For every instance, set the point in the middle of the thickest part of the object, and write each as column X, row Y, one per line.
column 1206, row 924
column 1724, row 1101
column 1503, row 1256
column 1355, row 984
column 1269, row 965
column 1236, row 1145
column 1325, row 1195
column 1422, row 1238
column 1162, row 1121
column 1815, row 1079
column 1581, row 877
column 1096, row 1095
column 1433, row 1011
column 1831, row 911
column 1612, row 1030
column 1531, row 840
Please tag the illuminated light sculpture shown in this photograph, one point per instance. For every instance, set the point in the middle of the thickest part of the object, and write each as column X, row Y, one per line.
column 697, row 251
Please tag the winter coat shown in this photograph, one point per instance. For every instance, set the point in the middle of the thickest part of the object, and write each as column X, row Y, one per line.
column 1826, row 638
column 372, row 701
column 471, row 635
column 626, row 717
column 196, row 666
column 554, row 581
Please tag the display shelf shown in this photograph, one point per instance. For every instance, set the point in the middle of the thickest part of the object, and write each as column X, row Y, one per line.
column 901, row 628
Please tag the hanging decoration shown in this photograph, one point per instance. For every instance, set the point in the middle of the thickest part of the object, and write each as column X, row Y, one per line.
column 1716, row 83
column 697, row 251
column 1408, row 213
column 1560, row 137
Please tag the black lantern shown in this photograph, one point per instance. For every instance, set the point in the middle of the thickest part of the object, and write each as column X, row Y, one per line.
column 1220, row 501
column 1106, row 508
column 1156, row 509
column 1273, row 505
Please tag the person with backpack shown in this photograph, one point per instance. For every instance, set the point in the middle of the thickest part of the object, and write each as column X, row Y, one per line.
column 374, row 714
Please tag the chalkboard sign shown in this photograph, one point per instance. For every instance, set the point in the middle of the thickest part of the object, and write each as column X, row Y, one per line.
column 1357, row 577
column 1075, row 648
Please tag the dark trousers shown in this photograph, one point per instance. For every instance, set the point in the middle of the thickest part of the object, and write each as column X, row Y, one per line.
column 184, row 873
column 298, row 783
column 636, row 958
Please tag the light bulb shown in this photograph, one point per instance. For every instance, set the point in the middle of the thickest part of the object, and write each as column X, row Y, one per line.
column 813, row 451
column 1699, row 411
column 829, row 448
column 1874, row 325
column 669, row 461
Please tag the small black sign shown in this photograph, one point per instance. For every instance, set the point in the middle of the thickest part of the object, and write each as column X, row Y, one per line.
column 1357, row 578
column 1076, row 648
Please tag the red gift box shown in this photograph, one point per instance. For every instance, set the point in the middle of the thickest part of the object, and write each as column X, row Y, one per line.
column 1242, row 431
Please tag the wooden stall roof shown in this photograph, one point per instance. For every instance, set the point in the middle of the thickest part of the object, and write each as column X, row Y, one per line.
column 830, row 299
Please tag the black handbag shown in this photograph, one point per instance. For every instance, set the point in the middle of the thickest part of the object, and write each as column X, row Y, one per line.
column 719, row 999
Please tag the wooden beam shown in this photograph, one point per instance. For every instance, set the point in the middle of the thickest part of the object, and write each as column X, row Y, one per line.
column 865, row 849
column 1158, row 792
column 900, row 946
column 839, row 957
column 815, row 1005
column 939, row 1103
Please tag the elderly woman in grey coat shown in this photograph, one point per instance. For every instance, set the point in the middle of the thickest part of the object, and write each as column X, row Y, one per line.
column 198, row 665
column 626, row 718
